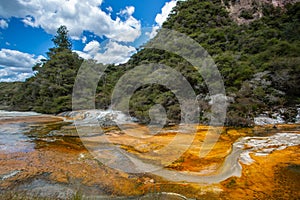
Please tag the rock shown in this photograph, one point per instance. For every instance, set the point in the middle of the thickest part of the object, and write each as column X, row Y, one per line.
column 260, row 121
column 279, row 116
column 263, row 146
column 9, row 175
column 297, row 119
column 104, row 118
column 253, row 8
column 219, row 98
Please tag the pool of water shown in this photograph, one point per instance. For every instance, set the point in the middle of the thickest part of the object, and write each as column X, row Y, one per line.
column 13, row 137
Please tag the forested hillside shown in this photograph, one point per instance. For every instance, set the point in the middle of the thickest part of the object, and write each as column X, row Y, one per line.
column 258, row 60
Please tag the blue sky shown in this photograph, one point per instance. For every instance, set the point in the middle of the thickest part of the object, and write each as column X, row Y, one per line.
column 108, row 31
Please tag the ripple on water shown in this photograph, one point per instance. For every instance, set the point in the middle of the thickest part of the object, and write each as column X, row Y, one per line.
column 12, row 138
column 11, row 114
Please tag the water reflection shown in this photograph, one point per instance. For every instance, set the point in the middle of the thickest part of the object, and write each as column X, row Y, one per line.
column 13, row 139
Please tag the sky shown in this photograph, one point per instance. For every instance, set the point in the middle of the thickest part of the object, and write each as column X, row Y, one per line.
column 109, row 31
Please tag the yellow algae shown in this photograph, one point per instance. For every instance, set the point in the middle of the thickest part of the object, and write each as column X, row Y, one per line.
column 261, row 179
column 65, row 160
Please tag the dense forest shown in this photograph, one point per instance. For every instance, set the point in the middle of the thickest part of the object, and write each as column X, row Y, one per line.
column 258, row 60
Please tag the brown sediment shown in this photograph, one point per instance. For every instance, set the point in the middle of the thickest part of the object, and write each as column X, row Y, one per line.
column 189, row 160
column 64, row 165
column 31, row 119
column 65, row 159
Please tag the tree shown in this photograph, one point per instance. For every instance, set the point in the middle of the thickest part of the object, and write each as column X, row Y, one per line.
column 61, row 41
column 50, row 90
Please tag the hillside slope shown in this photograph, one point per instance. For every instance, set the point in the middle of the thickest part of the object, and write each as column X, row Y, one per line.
column 259, row 60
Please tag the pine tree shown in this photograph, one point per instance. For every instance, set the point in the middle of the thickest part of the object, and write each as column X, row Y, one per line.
column 61, row 41
column 50, row 90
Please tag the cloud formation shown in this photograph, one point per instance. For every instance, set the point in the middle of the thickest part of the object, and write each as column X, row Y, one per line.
column 92, row 47
column 165, row 11
column 162, row 17
column 115, row 53
column 111, row 52
column 3, row 24
column 16, row 65
column 128, row 11
column 77, row 15
column 109, row 9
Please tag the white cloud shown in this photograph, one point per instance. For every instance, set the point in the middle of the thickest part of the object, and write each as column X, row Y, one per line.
column 128, row 11
column 16, row 65
column 75, row 38
column 83, row 55
column 153, row 33
column 83, row 39
column 162, row 17
column 77, row 15
column 10, row 76
column 109, row 9
column 15, row 58
column 115, row 53
column 92, row 47
column 165, row 11
column 3, row 24
column 112, row 52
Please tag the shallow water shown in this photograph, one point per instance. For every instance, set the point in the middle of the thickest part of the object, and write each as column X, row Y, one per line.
column 13, row 138
column 11, row 114
column 45, row 156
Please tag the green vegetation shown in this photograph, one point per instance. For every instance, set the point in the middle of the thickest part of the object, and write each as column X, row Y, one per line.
column 8, row 90
column 259, row 62
column 50, row 90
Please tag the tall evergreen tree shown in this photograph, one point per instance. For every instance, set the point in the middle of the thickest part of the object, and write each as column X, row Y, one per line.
column 61, row 41
column 50, row 90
